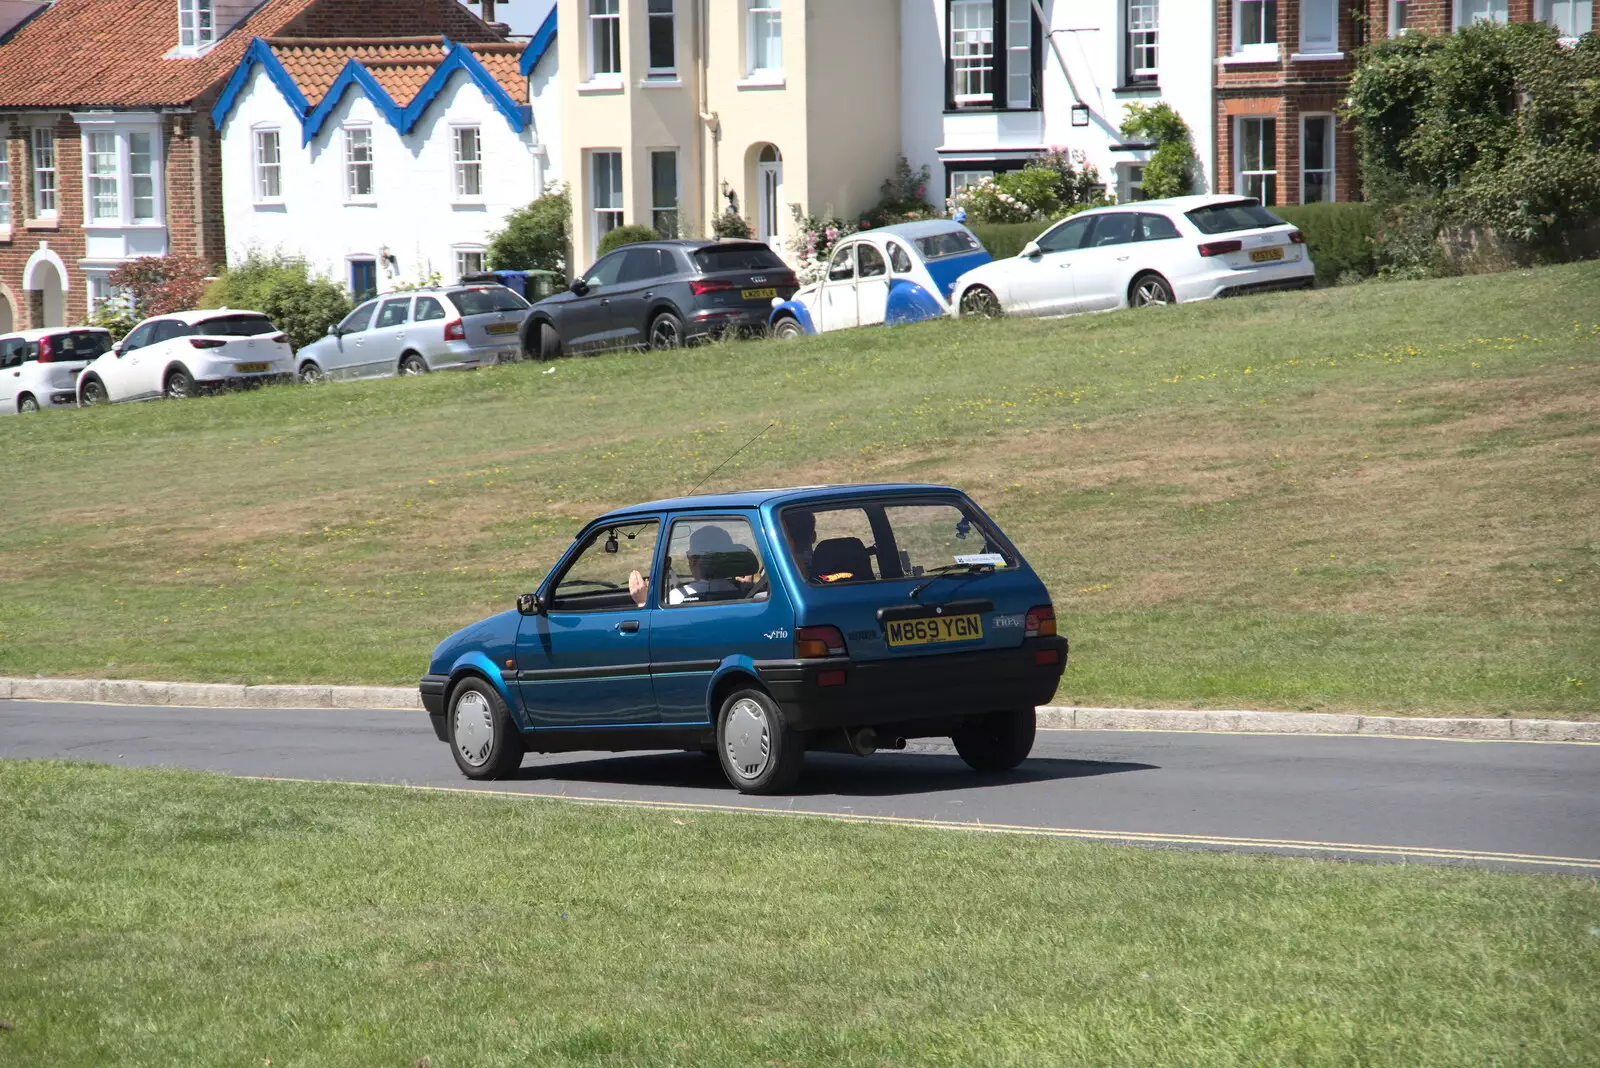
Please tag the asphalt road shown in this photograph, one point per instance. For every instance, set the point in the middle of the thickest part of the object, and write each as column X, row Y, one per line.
column 1527, row 806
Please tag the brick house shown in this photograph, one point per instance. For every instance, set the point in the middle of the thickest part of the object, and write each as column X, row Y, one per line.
column 104, row 106
column 1284, row 66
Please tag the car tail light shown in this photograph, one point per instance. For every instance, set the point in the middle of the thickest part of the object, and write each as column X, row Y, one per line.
column 207, row 342
column 279, row 338
column 1296, row 237
column 701, row 287
column 1219, row 248
column 814, row 643
column 1040, row 623
column 786, row 279
column 455, row 330
column 47, row 352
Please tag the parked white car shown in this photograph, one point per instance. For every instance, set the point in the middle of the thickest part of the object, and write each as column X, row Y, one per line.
column 1141, row 254
column 420, row 331
column 186, row 353
column 39, row 368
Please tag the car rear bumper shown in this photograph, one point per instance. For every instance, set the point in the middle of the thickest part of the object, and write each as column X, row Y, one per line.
column 880, row 692
column 1227, row 282
column 719, row 320
column 264, row 378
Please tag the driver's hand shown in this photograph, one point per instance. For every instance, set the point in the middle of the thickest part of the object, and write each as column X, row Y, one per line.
column 637, row 587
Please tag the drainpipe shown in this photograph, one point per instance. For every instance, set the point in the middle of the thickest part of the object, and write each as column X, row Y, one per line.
column 713, row 125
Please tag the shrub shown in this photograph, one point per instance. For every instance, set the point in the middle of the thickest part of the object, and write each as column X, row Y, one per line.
column 1077, row 181
column 625, row 235
column 1171, row 168
column 1341, row 237
column 114, row 315
column 535, row 238
column 1013, row 197
column 812, row 245
column 903, row 197
column 727, row 224
column 157, row 285
column 298, row 301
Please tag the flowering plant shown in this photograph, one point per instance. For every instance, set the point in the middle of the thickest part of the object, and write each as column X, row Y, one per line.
column 157, row 285
column 812, row 244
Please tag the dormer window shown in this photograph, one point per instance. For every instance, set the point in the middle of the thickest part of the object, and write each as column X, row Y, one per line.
column 197, row 27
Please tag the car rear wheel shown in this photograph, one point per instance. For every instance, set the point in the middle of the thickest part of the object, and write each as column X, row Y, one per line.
column 180, row 384
column 1150, row 291
column 310, row 374
column 484, row 741
column 998, row 741
column 666, row 332
column 412, row 364
column 549, row 342
column 788, row 329
column 26, row 404
column 759, row 752
column 980, row 301
column 93, row 392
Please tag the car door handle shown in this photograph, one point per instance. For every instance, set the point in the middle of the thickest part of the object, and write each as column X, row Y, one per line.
column 604, row 301
column 1122, row 259
column 629, row 626
column 649, row 293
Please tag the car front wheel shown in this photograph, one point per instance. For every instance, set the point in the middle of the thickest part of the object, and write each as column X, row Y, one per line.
column 27, row 404
column 93, row 392
column 980, row 301
column 310, row 374
column 483, row 739
column 760, row 753
column 998, row 741
column 1150, row 291
column 788, row 329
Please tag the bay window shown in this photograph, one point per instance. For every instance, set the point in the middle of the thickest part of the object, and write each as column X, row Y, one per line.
column 605, row 39
column 1571, row 18
column 43, row 145
column 120, row 173
column 1257, row 156
column 101, row 164
column 1319, row 26
column 1316, row 159
column 268, row 166
column 1142, row 37
column 764, row 37
column 993, row 54
column 1470, row 11
column 663, row 37
column 1255, row 25
column 467, row 148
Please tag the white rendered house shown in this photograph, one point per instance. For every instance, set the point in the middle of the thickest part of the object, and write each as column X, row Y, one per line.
column 383, row 161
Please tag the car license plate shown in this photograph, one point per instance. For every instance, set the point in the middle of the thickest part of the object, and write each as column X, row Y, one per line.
column 757, row 294
column 935, row 629
column 1265, row 255
column 251, row 368
column 501, row 328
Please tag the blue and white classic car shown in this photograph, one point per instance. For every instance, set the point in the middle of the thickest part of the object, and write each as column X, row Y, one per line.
column 896, row 274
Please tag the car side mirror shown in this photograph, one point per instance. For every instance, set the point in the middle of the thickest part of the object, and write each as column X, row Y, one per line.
column 1032, row 249
column 334, row 331
column 117, row 351
column 579, row 286
column 530, row 604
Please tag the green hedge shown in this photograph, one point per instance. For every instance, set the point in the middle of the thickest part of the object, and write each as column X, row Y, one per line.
column 1340, row 237
column 625, row 235
column 1006, row 239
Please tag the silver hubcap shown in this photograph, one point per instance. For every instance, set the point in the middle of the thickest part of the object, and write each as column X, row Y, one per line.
column 748, row 738
column 310, row 375
column 178, row 386
column 30, row 405
column 474, row 728
column 1151, row 293
column 411, row 367
column 666, row 335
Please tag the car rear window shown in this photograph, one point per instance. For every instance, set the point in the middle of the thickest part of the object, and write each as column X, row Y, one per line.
column 875, row 541
column 1234, row 215
column 486, row 299
column 234, row 326
column 79, row 345
column 949, row 243
column 737, row 258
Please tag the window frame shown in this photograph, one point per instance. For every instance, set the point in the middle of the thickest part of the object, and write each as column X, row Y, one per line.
column 462, row 168
column 1133, row 73
column 659, row 209
column 1263, row 49
column 654, row 70
column 1460, row 20
column 97, row 181
column 603, row 28
column 1329, row 46
column 664, row 557
column 462, row 252
column 354, row 167
column 362, row 296
column 1002, row 54
column 970, row 99
column 261, row 168
column 1399, row 8
column 201, row 32
column 5, row 194
column 42, row 142
column 1128, row 184
column 611, row 212
column 1544, row 11
column 1240, row 175
column 772, row 10
column 1330, row 147
column 116, row 192
column 587, row 541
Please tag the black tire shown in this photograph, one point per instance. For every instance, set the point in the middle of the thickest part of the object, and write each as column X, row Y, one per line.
column 26, row 404
column 93, row 391
column 412, row 364
column 549, row 342
column 788, row 329
column 311, row 374
column 666, row 332
column 998, row 741
column 742, row 731
column 179, row 384
column 483, row 739
column 980, row 302
column 1150, row 290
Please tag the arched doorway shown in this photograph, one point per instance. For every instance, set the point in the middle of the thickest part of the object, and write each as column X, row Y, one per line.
column 47, row 280
column 44, row 284
column 769, row 197
column 8, row 318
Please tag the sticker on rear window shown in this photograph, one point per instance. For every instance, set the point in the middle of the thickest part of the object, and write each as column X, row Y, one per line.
column 992, row 559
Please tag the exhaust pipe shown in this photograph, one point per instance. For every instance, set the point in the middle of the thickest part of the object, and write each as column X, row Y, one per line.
column 864, row 741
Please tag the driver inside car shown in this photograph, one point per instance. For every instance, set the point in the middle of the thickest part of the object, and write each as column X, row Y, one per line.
column 707, row 543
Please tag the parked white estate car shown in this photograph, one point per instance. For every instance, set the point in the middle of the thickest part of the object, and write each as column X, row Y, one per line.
column 39, row 368
column 1140, row 254
column 416, row 332
column 189, row 352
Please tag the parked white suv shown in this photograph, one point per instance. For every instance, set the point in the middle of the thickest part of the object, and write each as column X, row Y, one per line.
column 419, row 331
column 39, row 368
column 186, row 353
column 1143, row 253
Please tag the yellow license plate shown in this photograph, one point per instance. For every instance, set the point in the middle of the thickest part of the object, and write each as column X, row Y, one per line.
column 252, row 368
column 967, row 628
column 501, row 328
column 757, row 294
column 1263, row 255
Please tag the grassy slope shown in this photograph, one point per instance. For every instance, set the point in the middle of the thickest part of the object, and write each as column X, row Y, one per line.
column 1378, row 498
column 174, row 918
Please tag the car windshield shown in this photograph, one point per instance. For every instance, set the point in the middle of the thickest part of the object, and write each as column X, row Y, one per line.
column 1234, row 215
column 737, row 258
column 949, row 243
column 234, row 326
column 876, row 541
column 80, row 345
column 485, row 300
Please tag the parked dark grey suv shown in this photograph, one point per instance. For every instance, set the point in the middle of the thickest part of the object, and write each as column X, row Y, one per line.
column 659, row 295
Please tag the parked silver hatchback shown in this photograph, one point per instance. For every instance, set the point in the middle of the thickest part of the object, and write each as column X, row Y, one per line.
column 422, row 330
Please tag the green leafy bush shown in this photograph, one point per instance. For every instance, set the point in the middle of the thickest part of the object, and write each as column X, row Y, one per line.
column 1077, row 182
column 1171, row 168
column 1004, row 240
column 727, row 224
column 535, row 238
column 811, row 245
column 902, row 197
column 1341, row 237
column 625, row 235
column 298, row 301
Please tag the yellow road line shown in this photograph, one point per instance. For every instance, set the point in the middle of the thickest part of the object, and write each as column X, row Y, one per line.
column 1140, row 837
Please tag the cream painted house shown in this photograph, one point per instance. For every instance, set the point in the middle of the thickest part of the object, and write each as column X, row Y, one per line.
column 673, row 111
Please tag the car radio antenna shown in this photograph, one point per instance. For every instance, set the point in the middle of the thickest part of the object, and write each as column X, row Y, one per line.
column 724, row 463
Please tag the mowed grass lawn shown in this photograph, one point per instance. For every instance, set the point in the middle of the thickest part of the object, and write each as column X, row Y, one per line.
column 1381, row 498
column 174, row 918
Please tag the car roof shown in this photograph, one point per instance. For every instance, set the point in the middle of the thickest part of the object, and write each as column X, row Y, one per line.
column 1186, row 203
column 428, row 291
column 716, row 502
column 200, row 315
column 913, row 230
column 35, row 335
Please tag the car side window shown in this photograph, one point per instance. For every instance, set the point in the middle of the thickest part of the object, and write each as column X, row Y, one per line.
column 357, row 320
column 606, row 271
column 166, row 330
column 393, row 313
column 1156, row 228
column 30, row 352
column 843, row 267
column 712, row 560
column 872, row 265
column 11, row 352
column 598, row 578
column 138, row 337
column 1069, row 235
column 1116, row 228
column 640, row 265
column 428, row 308
column 899, row 259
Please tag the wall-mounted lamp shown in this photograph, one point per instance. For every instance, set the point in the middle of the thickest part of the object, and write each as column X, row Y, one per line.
column 725, row 187
column 389, row 259
column 1080, row 114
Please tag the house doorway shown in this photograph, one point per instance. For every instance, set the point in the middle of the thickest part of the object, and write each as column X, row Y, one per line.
column 769, row 197
column 52, row 292
column 8, row 318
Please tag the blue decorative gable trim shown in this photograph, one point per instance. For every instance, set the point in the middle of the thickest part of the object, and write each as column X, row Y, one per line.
column 352, row 74
column 542, row 40
column 460, row 58
column 258, row 52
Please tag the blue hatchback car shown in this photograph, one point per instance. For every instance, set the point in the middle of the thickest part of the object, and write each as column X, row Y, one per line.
column 755, row 626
